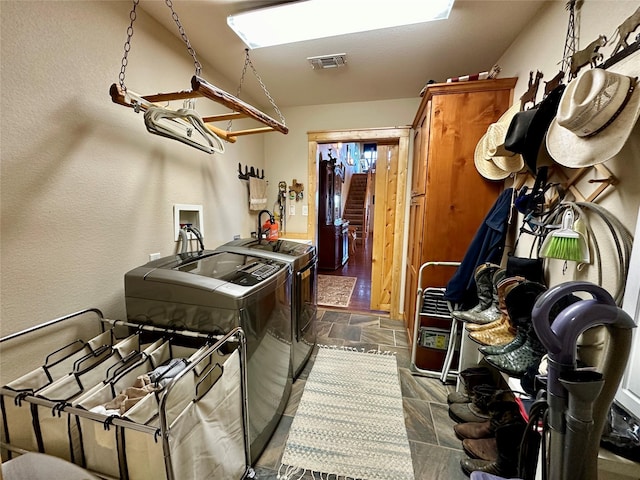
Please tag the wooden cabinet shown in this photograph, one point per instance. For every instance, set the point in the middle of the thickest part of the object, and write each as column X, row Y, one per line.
column 333, row 232
column 449, row 197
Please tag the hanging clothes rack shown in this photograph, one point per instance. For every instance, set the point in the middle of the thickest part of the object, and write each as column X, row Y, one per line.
column 199, row 88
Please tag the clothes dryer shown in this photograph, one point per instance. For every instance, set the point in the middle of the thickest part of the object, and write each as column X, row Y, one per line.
column 304, row 261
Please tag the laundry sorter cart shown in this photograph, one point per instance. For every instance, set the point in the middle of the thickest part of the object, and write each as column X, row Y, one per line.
column 133, row 401
column 436, row 338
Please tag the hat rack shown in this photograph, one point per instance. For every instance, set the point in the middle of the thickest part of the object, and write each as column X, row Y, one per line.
column 604, row 178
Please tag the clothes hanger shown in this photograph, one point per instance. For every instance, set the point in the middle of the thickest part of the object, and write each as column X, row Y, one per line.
column 181, row 125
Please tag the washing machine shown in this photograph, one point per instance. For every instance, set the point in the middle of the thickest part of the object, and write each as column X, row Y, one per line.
column 215, row 291
column 304, row 261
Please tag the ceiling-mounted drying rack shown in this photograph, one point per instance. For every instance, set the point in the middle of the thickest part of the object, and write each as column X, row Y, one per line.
column 181, row 124
column 202, row 88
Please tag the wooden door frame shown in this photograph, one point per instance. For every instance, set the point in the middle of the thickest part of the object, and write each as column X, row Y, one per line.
column 399, row 135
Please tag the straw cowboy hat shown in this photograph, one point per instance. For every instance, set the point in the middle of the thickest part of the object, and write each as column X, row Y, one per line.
column 492, row 159
column 596, row 114
column 527, row 129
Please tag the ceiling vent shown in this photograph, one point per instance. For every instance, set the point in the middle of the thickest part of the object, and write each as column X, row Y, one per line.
column 328, row 61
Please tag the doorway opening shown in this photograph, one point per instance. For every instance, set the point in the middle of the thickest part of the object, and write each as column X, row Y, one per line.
column 376, row 260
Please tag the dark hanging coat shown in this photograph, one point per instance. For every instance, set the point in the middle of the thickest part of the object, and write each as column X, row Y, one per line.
column 487, row 246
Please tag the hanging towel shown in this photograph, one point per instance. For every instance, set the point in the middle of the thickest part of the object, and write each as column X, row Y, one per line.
column 257, row 193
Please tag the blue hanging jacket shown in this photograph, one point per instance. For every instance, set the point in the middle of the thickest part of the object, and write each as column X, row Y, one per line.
column 487, row 246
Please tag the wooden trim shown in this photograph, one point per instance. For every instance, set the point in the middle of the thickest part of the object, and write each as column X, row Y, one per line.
column 364, row 135
column 399, row 135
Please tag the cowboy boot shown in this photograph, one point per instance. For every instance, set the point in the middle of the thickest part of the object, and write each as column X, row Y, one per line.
column 481, row 448
column 483, row 276
column 520, row 301
column 492, row 313
column 470, row 378
column 504, row 332
column 520, row 325
column 527, row 357
column 502, row 287
column 508, row 440
column 500, row 413
column 477, row 410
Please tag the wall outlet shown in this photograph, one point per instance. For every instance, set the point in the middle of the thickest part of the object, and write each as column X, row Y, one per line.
column 305, row 210
column 236, row 237
column 292, row 209
column 154, row 256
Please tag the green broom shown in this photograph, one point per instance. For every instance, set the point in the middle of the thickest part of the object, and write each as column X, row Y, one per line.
column 565, row 243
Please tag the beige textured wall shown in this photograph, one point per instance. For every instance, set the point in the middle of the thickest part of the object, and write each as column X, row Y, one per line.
column 540, row 47
column 87, row 193
column 286, row 157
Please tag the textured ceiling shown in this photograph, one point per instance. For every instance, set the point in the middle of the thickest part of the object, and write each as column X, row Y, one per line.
column 384, row 64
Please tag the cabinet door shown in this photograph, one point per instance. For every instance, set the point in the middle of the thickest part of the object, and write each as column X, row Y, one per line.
column 457, row 196
column 414, row 261
column 420, row 153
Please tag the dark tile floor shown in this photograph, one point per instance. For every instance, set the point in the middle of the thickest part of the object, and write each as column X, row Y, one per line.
column 435, row 450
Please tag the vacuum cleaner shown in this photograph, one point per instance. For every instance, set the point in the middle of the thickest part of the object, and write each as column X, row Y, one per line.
column 579, row 399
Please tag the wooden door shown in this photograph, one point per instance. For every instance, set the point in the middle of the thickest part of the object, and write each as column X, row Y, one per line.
column 386, row 187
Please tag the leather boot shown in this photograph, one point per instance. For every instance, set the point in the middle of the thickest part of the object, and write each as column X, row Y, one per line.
column 504, row 332
column 481, row 448
column 483, row 276
column 519, row 322
column 492, row 313
column 477, row 410
column 520, row 301
column 518, row 362
column 500, row 413
column 508, row 440
column 502, row 287
column 471, row 378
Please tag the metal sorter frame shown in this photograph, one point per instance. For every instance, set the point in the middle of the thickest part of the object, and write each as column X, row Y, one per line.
column 217, row 368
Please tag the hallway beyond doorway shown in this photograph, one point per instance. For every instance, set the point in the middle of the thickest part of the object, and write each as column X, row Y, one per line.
column 358, row 265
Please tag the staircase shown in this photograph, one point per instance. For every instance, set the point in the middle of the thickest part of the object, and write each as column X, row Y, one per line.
column 354, row 209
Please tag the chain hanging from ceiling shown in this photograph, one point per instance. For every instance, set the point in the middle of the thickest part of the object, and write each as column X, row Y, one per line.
column 249, row 63
column 185, row 124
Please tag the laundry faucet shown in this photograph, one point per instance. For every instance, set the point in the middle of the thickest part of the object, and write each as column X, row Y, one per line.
column 260, row 232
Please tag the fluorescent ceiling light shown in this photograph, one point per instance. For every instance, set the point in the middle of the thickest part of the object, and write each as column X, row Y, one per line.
column 306, row 20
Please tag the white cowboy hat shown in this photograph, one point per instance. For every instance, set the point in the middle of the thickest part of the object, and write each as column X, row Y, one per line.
column 490, row 149
column 484, row 165
column 596, row 115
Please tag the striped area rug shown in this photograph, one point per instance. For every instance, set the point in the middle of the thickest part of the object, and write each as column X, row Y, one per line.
column 350, row 422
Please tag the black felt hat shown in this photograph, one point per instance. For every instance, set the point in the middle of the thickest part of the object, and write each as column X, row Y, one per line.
column 527, row 129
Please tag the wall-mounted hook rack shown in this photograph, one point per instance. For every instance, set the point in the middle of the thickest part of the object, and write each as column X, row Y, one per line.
column 249, row 172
